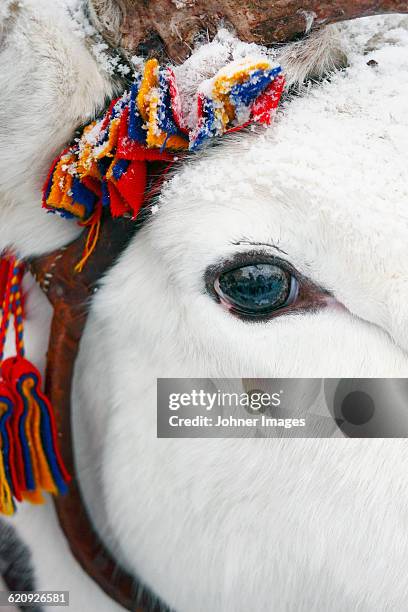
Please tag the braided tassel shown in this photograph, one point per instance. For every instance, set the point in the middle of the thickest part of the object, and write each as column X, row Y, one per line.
column 30, row 463
column 8, row 487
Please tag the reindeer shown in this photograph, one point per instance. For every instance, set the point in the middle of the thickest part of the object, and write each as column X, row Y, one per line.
column 224, row 525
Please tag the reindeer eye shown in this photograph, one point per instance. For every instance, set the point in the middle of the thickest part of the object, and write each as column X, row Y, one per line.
column 256, row 289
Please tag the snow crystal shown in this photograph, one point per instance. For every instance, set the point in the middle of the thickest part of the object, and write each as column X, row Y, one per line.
column 110, row 61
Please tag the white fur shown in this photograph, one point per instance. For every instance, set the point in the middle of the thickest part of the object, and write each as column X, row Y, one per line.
column 49, row 85
column 231, row 525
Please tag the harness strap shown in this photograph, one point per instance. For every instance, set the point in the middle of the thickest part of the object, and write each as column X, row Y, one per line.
column 70, row 295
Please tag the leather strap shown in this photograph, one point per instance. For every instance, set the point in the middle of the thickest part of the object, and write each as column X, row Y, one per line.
column 70, row 294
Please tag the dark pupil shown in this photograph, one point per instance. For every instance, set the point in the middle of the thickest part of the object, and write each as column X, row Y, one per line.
column 256, row 288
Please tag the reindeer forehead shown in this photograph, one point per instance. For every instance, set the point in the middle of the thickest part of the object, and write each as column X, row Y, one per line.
column 327, row 184
column 338, row 150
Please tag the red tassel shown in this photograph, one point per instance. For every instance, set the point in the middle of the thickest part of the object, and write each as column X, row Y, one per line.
column 118, row 206
column 132, row 185
column 4, row 272
column 264, row 107
column 30, row 462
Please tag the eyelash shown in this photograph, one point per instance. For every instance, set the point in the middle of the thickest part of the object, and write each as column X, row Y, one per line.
column 310, row 296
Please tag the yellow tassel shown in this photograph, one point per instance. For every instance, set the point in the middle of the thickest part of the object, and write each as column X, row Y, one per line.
column 58, row 189
column 149, row 82
column 42, row 474
column 59, row 196
column 224, row 82
column 86, row 164
column 155, row 136
column 34, row 497
column 225, row 111
column 112, row 142
column 109, row 173
column 90, row 244
column 6, row 499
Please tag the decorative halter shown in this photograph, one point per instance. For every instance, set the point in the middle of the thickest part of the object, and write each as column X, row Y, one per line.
column 101, row 177
column 106, row 168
